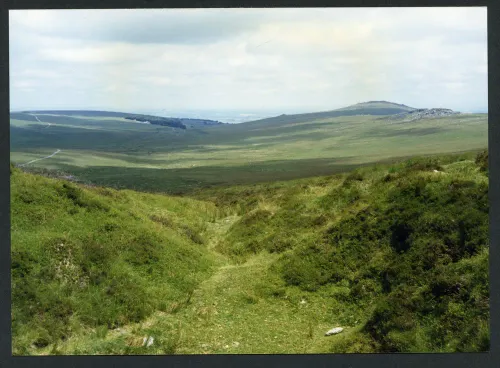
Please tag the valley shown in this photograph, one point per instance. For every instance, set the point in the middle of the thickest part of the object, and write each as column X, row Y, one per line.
column 254, row 238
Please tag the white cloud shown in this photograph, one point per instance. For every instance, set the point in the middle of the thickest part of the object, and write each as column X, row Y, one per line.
column 249, row 58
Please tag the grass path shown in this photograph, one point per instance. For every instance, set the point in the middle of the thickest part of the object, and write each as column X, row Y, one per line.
column 36, row 117
column 227, row 315
column 232, row 312
column 43, row 158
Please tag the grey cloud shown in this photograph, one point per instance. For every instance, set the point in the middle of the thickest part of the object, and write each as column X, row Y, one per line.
column 142, row 27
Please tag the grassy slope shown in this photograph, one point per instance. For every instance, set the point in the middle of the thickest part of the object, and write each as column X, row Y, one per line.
column 85, row 259
column 138, row 156
column 364, row 108
column 396, row 254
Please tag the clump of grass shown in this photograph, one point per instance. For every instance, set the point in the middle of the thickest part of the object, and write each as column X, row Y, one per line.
column 354, row 176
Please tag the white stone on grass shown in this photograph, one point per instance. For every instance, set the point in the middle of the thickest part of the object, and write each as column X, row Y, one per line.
column 148, row 341
column 334, row 331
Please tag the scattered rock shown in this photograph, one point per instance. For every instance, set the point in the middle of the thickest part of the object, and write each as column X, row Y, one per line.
column 334, row 331
column 303, row 301
column 236, row 344
column 205, row 346
column 148, row 341
column 422, row 114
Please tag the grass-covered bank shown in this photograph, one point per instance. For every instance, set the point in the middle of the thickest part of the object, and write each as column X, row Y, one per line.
column 396, row 254
column 91, row 259
column 402, row 247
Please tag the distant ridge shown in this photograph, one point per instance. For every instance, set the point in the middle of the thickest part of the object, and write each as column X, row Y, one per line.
column 181, row 123
column 387, row 102
column 377, row 105
column 77, row 112
column 362, row 108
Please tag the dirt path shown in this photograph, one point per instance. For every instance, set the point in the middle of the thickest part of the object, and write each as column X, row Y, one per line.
column 43, row 158
column 48, row 124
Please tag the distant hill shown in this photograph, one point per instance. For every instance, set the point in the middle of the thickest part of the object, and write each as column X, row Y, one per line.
column 378, row 105
column 78, row 113
column 363, row 108
column 181, row 123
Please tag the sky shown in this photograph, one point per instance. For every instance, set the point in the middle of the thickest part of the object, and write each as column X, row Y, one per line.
column 247, row 60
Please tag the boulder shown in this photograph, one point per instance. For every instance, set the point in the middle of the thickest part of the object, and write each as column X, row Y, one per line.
column 334, row 331
column 148, row 341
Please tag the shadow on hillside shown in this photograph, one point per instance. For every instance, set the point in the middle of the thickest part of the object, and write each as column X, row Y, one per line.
column 410, row 132
column 65, row 137
column 129, row 145
column 186, row 180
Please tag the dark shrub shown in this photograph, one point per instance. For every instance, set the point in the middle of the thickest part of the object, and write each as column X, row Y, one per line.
column 165, row 221
column 319, row 220
column 279, row 242
column 482, row 160
column 400, row 237
column 193, row 235
column 423, row 164
column 81, row 199
column 352, row 177
column 144, row 249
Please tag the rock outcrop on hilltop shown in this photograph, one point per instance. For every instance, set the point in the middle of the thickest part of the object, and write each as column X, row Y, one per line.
column 423, row 114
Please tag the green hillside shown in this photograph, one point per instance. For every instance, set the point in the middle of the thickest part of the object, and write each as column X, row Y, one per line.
column 87, row 259
column 363, row 108
column 396, row 254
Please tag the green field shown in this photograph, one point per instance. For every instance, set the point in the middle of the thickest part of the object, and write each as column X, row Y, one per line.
column 113, row 152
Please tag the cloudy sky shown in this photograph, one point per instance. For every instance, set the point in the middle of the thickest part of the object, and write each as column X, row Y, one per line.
column 248, row 59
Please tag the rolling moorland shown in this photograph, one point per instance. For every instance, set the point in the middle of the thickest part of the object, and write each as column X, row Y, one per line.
column 112, row 151
column 393, row 249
